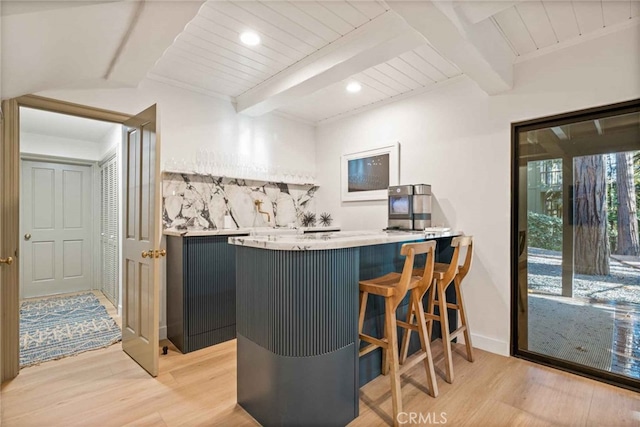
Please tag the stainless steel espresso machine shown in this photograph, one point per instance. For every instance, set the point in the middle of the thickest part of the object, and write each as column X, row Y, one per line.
column 409, row 207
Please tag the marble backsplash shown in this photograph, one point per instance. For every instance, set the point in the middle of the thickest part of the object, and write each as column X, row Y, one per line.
column 200, row 202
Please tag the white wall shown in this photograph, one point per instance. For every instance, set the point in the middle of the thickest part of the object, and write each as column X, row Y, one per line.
column 458, row 140
column 190, row 121
column 32, row 143
column 111, row 142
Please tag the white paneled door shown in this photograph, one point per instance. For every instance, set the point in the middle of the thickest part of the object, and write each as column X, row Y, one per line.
column 141, row 240
column 57, row 225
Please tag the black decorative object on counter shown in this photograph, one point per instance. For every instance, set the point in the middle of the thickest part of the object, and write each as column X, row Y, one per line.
column 308, row 219
column 325, row 219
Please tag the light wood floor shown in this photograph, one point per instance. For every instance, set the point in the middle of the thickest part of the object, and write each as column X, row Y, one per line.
column 106, row 388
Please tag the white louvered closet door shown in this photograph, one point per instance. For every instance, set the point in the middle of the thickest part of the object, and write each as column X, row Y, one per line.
column 109, row 229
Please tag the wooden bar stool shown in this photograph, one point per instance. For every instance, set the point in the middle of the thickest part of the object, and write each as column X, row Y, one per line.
column 444, row 275
column 393, row 287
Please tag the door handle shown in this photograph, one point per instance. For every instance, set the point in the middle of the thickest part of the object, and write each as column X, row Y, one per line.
column 161, row 252
column 27, row 236
column 154, row 253
column 7, row 261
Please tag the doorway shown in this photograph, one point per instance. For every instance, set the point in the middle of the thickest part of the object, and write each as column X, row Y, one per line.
column 141, row 166
column 70, row 215
column 576, row 244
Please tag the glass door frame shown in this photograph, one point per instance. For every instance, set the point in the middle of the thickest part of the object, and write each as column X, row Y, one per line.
column 517, row 242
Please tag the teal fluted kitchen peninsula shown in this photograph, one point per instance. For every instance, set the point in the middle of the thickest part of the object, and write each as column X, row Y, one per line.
column 297, row 321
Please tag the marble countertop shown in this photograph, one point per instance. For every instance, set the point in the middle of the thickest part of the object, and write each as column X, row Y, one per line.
column 333, row 240
column 257, row 231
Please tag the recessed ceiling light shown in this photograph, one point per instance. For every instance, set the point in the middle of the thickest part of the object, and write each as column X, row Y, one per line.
column 250, row 38
column 354, row 87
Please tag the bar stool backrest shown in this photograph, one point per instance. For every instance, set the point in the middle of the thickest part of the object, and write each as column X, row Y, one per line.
column 400, row 290
column 428, row 248
column 458, row 243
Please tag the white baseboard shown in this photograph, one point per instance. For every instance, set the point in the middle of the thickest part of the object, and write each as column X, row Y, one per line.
column 491, row 345
column 163, row 332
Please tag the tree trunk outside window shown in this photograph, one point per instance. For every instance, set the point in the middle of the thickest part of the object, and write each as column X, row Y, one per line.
column 628, row 242
column 591, row 251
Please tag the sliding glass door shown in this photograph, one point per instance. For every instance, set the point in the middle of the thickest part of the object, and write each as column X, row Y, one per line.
column 576, row 244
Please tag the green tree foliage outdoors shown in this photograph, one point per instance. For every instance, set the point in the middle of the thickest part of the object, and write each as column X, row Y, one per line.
column 545, row 231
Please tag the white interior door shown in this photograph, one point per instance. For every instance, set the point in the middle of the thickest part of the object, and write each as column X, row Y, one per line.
column 57, row 223
column 141, row 240
column 109, row 230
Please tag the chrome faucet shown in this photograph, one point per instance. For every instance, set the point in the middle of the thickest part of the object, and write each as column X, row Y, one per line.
column 258, row 204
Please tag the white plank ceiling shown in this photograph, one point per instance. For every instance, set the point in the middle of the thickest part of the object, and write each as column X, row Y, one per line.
column 532, row 25
column 209, row 58
column 412, row 71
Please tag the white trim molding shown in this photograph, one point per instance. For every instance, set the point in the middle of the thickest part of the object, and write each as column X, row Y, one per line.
column 490, row 344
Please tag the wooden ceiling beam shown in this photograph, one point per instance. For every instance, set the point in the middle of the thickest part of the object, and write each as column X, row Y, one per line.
column 479, row 49
column 477, row 11
column 375, row 42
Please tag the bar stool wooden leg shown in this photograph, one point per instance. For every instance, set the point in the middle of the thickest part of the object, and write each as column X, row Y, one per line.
column 392, row 359
column 463, row 319
column 406, row 336
column 446, row 338
column 416, row 311
column 385, row 359
column 431, row 308
column 425, row 343
column 363, row 306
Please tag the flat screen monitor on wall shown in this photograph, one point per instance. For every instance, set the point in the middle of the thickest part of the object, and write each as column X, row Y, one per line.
column 369, row 173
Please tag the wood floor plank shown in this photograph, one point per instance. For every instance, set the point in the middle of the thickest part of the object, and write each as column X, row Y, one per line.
column 610, row 403
column 492, row 412
column 151, row 420
column 106, row 388
column 547, row 393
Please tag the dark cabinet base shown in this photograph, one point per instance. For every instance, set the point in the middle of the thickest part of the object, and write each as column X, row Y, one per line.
column 201, row 291
column 296, row 391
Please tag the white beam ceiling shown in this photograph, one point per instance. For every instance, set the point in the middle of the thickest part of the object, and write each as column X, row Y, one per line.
column 310, row 49
column 477, row 49
column 95, row 45
column 17, row 7
column 159, row 23
column 377, row 41
column 53, row 48
column 477, row 11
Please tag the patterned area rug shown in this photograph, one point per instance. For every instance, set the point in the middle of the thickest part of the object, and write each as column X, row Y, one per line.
column 57, row 327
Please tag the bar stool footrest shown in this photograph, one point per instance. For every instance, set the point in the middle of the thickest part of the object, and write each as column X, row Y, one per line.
column 457, row 332
column 373, row 344
column 412, row 361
